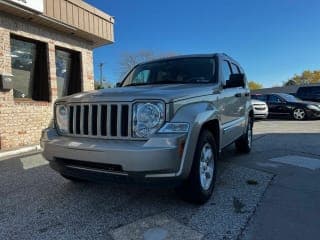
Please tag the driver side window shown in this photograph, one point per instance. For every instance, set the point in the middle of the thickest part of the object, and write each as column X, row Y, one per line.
column 226, row 71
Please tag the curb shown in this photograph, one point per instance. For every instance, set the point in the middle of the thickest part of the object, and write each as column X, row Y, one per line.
column 19, row 151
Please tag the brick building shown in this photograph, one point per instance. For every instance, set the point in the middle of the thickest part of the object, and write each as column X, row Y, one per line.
column 45, row 52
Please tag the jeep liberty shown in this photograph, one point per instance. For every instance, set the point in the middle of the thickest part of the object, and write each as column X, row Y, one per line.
column 168, row 120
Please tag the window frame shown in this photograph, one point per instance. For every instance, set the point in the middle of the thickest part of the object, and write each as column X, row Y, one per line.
column 224, row 81
column 46, row 76
column 237, row 67
column 72, row 52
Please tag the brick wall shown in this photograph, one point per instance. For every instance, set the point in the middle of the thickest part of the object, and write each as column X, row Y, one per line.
column 21, row 121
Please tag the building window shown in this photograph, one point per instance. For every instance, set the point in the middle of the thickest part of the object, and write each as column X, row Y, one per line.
column 68, row 71
column 29, row 69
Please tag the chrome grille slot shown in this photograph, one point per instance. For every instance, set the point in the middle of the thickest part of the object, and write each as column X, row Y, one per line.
column 77, row 123
column 94, row 120
column 113, row 120
column 85, row 120
column 101, row 120
column 124, row 120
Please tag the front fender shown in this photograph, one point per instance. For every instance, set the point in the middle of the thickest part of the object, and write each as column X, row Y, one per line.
column 196, row 114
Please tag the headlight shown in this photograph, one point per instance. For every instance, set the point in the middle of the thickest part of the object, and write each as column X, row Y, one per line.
column 313, row 107
column 62, row 118
column 147, row 118
column 175, row 128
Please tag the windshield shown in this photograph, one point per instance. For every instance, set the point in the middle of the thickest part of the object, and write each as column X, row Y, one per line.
column 259, row 97
column 289, row 98
column 186, row 70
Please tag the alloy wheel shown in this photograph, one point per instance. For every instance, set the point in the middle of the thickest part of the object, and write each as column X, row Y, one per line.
column 206, row 166
column 299, row 114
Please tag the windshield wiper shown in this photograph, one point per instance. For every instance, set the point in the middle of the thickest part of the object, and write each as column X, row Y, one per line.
column 166, row 82
column 135, row 84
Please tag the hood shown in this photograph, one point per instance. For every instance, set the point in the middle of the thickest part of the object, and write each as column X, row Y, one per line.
column 166, row 92
column 302, row 102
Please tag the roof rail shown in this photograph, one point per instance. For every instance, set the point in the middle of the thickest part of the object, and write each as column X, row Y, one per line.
column 226, row 55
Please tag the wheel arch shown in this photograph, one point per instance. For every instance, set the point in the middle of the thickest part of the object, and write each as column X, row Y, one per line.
column 213, row 126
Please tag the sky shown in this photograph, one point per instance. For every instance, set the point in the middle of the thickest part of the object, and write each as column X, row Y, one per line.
column 272, row 40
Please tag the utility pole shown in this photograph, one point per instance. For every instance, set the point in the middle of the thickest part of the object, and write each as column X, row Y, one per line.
column 101, row 68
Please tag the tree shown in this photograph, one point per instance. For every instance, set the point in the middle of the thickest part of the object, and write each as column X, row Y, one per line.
column 306, row 77
column 129, row 60
column 255, row 85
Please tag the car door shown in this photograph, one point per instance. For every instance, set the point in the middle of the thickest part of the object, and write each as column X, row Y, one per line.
column 230, row 107
column 277, row 105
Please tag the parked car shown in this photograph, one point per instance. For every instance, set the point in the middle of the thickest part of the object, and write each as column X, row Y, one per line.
column 260, row 109
column 282, row 104
column 309, row 93
column 168, row 120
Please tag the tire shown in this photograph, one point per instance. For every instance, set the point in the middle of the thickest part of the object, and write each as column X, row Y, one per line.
column 244, row 143
column 199, row 186
column 299, row 114
column 71, row 178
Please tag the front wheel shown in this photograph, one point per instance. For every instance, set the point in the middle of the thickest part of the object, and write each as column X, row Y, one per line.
column 299, row 114
column 244, row 143
column 199, row 186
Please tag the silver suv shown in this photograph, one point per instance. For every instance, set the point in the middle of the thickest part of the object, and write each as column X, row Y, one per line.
column 167, row 121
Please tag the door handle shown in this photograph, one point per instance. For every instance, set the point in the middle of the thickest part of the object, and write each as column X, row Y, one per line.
column 247, row 94
column 237, row 95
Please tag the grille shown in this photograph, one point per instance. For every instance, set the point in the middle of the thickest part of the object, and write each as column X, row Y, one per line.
column 112, row 120
column 260, row 108
column 90, row 165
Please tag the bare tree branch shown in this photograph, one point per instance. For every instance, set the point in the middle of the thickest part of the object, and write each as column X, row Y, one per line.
column 129, row 60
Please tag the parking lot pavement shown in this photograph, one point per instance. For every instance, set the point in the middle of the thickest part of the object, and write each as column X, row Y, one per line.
column 290, row 207
column 263, row 195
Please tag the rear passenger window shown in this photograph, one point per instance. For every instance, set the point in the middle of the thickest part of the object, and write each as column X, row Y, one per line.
column 235, row 68
column 226, row 71
column 274, row 99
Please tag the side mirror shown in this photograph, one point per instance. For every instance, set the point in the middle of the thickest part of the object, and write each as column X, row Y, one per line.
column 118, row 84
column 236, row 80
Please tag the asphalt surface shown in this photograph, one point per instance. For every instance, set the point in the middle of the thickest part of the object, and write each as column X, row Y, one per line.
column 271, row 193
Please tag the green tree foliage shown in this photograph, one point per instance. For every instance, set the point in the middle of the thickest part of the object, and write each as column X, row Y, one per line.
column 306, row 77
column 255, row 85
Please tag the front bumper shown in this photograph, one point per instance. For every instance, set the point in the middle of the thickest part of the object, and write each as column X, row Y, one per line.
column 160, row 157
column 260, row 111
column 260, row 115
column 313, row 114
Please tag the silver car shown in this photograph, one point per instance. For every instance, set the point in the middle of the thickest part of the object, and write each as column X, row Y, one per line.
column 260, row 109
column 168, row 122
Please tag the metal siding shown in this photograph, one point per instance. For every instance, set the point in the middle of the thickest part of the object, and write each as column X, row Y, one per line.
column 91, row 22
column 63, row 6
column 49, row 8
column 91, row 27
column 56, row 9
column 69, row 14
column 104, row 29
column 81, row 16
column 75, row 12
column 86, row 21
